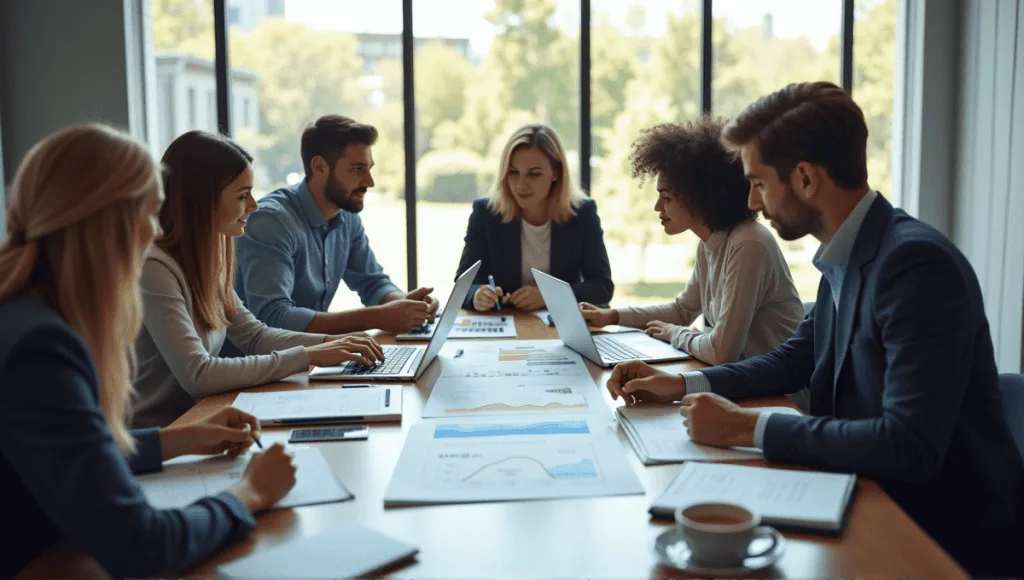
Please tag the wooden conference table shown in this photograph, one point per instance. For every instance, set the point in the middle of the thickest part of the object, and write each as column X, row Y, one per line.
column 607, row 537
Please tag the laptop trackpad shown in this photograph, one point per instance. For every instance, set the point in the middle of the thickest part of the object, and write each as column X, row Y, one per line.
column 651, row 347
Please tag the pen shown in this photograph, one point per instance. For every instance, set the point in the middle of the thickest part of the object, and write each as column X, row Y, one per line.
column 258, row 442
column 490, row 280
column 355, row 386
column 458, row 353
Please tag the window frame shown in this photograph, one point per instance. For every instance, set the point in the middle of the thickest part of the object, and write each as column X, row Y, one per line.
column 223, row 91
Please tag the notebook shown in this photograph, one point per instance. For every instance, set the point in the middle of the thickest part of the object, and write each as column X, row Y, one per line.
column 657, row 435
column 345, row 551
column 791, row 500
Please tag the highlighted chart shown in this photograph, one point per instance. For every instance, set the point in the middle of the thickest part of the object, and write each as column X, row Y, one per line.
column 536, row 465
column 500, row 429
column 469, row 461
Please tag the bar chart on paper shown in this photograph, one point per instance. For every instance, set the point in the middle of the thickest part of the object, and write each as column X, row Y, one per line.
column 515, row 359
column 468, row 327
column 445, row 462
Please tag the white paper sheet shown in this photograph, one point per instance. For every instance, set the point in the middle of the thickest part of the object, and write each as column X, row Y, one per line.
column 469, row 327
column 519, row 358
column 188, row 479
column 657, row 435
column 537, row 458
column 330, row 402
column 513, row 378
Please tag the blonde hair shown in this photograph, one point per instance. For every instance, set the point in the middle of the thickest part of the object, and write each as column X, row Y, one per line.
column 75, row 238
column 564, row 198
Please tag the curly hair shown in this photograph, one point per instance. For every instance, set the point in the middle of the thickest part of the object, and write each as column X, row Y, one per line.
column 701, row 173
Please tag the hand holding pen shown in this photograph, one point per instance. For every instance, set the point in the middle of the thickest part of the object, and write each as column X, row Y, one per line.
column 488, row 296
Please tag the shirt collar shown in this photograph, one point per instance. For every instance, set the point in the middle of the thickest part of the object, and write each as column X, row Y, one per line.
column 837, row 253
column 314, row 218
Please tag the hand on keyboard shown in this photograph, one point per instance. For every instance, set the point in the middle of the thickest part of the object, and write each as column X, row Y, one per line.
column 359, row 349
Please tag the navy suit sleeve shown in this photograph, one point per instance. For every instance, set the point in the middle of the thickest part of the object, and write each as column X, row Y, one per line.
column 925, row 315
column 148, row 453
column 597, row 286
column 782, row 371
column 475, row 249
column 56, row 439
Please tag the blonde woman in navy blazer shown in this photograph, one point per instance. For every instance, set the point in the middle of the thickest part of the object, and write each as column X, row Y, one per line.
column 535, row 218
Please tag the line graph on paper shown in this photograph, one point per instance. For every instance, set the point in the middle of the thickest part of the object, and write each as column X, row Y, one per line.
column 469, row 399
column 489, row 464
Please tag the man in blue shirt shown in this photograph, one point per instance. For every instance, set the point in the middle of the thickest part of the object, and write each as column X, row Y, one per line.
column 896, row 351
column 305, row 239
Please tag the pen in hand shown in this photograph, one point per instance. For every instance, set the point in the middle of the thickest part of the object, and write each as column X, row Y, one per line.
column 490, row 280
column 255, row 437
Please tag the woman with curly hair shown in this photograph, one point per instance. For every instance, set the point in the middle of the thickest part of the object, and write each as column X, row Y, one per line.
column 741, row 281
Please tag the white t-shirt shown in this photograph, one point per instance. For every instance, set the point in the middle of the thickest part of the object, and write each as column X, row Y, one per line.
column 536, row 246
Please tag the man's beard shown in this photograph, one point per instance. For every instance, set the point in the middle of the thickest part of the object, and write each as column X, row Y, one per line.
column 336, row 193
column 801, row 219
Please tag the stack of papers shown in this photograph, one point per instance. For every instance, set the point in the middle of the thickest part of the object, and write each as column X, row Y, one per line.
column 793, row 500
column 657, row 435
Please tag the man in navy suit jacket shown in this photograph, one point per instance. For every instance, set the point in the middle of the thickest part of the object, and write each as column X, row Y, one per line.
column 897, row 350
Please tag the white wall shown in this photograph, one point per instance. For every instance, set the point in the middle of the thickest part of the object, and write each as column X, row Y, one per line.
column 989, row 165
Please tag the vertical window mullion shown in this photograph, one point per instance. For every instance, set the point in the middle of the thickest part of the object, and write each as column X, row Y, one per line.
column 706, row 54
column 409, row 131
column 220, row 36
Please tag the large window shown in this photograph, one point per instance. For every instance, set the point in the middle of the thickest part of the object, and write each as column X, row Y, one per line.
column 484, row 67
column 645, row 70
column 183, row 54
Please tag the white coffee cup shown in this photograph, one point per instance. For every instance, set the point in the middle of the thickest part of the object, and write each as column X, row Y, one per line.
column 719, row 534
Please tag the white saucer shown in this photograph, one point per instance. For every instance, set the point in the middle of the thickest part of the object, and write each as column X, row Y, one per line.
column 673, row 552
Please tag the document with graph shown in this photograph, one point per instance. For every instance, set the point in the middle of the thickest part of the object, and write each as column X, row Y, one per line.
column 511, row 380
column 476, row 461
column 485, row 326
column 512, row 358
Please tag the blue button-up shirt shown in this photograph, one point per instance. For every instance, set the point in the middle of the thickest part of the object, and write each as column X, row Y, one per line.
column 831, row 260
column 291, row 260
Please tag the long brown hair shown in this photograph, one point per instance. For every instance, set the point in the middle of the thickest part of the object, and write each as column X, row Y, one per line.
column 75, row 226
column 197, row 167
column 564, row 197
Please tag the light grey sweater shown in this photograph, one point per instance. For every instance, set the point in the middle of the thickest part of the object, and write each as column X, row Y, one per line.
column 742, row 285
column 179, row 364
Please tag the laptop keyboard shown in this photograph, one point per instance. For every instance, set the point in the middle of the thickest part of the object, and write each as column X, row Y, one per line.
column 395, row 358
column 612, row 350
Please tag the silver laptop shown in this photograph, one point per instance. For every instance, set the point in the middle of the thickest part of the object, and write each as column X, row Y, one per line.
column 403, row 363
column 605, row 350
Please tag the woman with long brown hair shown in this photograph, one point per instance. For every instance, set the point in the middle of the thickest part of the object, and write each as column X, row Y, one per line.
column 82, row 216
column 189, row 302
